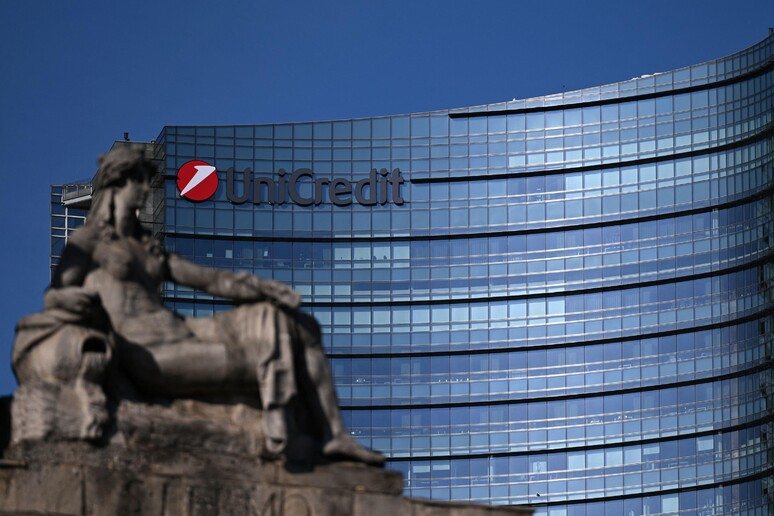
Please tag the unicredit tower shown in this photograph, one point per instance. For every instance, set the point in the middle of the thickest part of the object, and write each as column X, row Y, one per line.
column 563, row 301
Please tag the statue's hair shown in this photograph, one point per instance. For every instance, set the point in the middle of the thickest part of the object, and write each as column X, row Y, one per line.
column 122, row 163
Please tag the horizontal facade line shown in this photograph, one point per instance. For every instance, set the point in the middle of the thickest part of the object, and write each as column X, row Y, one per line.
column 516, row 297
column 651, row 440
column 572, row 344
column 763, row 68
column 539, row 399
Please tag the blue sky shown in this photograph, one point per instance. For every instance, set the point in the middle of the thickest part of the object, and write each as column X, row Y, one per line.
column 76, row 75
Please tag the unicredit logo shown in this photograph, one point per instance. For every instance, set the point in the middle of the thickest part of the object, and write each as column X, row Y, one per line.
column 197, row 180
column 304, row 189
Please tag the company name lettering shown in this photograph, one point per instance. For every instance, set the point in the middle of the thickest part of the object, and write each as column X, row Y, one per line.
column 380, row 187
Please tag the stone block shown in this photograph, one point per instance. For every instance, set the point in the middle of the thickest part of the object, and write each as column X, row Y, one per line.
column 80, row 478
column 48, row 489
column 370, row 504
column 310, row 501
column 193, row 425
column 104, row 491
column 438, row 508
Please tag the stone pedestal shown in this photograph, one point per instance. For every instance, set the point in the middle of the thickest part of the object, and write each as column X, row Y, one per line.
column 193, row 458
column 78, row 478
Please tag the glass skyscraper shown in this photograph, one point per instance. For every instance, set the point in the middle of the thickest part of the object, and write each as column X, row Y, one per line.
column 562, row 301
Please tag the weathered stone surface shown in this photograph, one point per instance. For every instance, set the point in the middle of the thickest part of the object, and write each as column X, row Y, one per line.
column 436, row 508
column 60, row 360
column 233, row 428
column 381, row 505
column 80, row 478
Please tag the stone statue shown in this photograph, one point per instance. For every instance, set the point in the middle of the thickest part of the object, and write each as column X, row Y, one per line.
column 104, row 317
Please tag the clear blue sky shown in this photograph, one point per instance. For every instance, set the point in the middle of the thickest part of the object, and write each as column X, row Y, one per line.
column 76, row 74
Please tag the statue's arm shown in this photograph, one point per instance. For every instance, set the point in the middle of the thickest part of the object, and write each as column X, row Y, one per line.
column 77, row 259
column 66, row 290
column 239, row 286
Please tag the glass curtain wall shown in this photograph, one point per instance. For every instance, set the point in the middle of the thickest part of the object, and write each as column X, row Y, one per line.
column 69, row 206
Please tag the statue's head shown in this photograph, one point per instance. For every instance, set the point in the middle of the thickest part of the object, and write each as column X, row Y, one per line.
column 122, row 183
column 122, row 164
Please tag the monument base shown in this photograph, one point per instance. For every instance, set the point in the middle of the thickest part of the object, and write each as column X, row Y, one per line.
column 79, row 478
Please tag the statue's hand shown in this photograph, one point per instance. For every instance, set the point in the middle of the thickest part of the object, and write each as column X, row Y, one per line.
column 252, row 288
column 77, row 300
column 281, row 294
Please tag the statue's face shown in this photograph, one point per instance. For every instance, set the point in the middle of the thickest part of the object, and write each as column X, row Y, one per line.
column 134, row 193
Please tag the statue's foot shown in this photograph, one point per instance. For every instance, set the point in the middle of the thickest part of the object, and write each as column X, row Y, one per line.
column 348, row 448
column 275, row 433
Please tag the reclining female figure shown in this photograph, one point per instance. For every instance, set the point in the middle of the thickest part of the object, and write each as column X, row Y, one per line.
column 265, row 344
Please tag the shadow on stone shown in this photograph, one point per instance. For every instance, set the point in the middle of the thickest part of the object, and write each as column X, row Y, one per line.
column 5, row 423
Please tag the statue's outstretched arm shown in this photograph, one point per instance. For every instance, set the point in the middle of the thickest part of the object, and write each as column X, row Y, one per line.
column 239, row 286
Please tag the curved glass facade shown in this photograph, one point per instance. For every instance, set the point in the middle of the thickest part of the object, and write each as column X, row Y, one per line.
column 572, row 308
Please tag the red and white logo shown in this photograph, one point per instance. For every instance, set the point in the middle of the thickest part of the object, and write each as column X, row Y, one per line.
column 197, row 180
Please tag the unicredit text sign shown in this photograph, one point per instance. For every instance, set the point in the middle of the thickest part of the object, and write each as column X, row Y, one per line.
column 303, row 188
